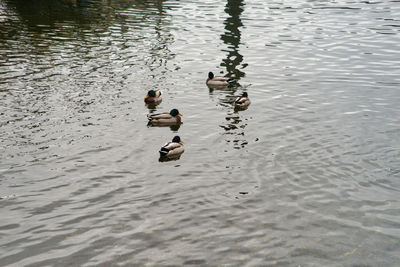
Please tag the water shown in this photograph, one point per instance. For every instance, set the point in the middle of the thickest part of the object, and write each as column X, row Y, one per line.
column 308, row 175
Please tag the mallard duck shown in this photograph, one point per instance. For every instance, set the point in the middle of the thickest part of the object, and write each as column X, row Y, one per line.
column 165, row 118
column 218, row 81
column 153, row 96
column 172, row 149
column 242, row 101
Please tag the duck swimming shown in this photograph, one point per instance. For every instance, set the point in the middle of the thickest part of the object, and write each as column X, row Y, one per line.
column 218, row 81
column 242, row 101
column 165, row 118
column 172, row 149
column 153, row 96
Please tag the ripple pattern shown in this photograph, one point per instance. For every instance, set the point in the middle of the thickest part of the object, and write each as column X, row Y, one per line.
column 307, row 175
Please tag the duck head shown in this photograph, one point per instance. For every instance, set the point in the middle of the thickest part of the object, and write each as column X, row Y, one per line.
column 151, row 93
column 210, row 75
column 174, row 112
column 176, row 139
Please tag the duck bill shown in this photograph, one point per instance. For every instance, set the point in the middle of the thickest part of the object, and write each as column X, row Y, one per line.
column 180, row 114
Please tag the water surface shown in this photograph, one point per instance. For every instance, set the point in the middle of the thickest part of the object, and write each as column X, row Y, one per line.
column 308, row 175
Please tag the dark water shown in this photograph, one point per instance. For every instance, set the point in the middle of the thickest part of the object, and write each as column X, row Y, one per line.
column 308, row 175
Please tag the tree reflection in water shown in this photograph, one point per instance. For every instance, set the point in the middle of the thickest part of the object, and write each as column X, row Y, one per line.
column 231, row 37
column 94, row 44
column 234, row 124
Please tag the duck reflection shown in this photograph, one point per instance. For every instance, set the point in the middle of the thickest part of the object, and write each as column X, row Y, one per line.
column 152, row 107
column 174, row 128
column 234, row 124
column 169, row 158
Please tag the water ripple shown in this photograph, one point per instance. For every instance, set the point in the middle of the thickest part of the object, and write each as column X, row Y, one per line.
column 307, row 174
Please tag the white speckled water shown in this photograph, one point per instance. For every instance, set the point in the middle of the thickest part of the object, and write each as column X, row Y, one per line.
column 308, row 175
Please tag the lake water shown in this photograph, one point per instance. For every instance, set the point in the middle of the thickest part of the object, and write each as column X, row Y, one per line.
column 308, row 175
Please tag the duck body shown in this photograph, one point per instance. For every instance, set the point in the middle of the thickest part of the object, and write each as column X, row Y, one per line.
column 165, row 118
column 153, row 96
column 173, row 148
column 242, row 101
column 218, row 81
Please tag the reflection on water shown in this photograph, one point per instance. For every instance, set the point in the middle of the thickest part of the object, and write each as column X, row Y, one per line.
column 232, row 38
column 174, row 128
column 307, row 175
column 152, row 106
column 240, row 108
column 47, row 12
column 169, row 158
column 85, row 12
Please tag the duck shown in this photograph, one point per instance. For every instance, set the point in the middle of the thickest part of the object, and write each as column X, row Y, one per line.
column 242, row 101
column 173, row 148
column 165, row 118
column 153, row 96
column 218, row 81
